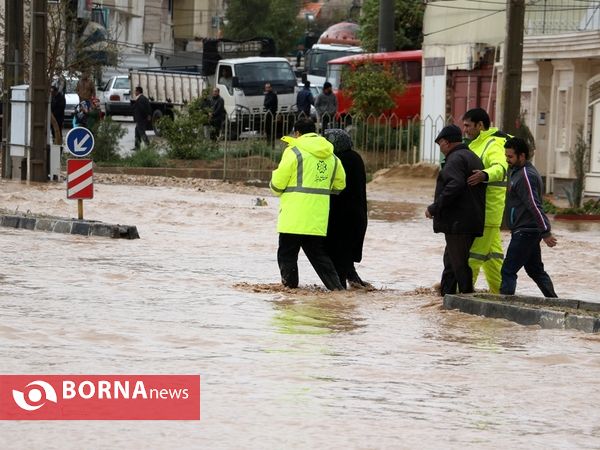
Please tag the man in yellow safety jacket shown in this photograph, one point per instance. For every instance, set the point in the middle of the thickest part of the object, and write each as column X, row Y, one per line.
column 306, row 176
column 488, row 144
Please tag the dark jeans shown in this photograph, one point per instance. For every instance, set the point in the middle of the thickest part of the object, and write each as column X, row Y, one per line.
column 325, row 119
column 216, row 125
column 314, row 249
column 140, row 134
column 457, row 272
column 524, row 250
column 270, row 127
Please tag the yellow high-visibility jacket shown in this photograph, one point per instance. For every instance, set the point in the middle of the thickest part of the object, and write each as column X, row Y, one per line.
column 489, row 146
column 307, row 174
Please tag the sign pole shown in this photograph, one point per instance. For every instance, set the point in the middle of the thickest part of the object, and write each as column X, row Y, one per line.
column 80, row 184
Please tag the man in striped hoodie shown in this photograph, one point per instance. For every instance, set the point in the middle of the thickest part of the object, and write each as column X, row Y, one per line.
column 527, row 221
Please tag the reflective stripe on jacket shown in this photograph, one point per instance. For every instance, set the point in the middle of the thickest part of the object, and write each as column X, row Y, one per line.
column 489, row 146
column 307, row 174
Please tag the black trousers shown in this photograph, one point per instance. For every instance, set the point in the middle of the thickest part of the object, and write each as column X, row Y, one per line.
column 140, row 134
column 314, row 249
column 524, row 250
column 270, row 127
column 457, row 272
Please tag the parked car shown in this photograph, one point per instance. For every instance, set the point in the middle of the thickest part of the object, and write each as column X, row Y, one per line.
column 71, row 99
column 116, row 96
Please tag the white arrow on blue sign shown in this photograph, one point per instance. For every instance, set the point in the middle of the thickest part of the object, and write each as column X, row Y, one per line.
column 80, row 141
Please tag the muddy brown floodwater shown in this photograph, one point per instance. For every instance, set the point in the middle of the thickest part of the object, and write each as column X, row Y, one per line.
column 199, row 293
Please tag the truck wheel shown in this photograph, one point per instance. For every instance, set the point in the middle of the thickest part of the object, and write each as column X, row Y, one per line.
column 156, row 116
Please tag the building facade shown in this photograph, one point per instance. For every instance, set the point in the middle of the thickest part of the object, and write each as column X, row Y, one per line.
column 560, row 89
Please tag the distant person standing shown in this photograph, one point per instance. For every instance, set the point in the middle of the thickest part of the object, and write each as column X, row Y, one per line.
column 348, row 211
column 142, row 115
column 304, row 100
column 458, row 209
column 95, row 114
column 217, row 115
column 86, row 89
column 226, row 79
column 299, row 55
column 57, row 107
column 528, row 223
column 270, row 104
column 326, row 105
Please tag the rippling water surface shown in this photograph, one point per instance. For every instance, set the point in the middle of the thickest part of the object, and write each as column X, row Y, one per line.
column 280, row 369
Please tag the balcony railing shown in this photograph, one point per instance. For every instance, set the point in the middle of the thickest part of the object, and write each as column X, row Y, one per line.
column 543, row 17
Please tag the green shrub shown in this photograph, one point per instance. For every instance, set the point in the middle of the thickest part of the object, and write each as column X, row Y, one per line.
column 242, row 149
column 549, row 207
column 590, row 207
column 185, row 134
column 147, row 156
column 372, row 88
column 377, row 136
column 107, row 135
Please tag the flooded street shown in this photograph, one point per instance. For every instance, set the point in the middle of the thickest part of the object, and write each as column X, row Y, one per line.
column 199, row 294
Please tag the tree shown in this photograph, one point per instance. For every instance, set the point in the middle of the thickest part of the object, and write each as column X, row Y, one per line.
column 61, row 20
column 408, row 25
column 522, row 131
column 372, row 88
column 277, row 19
column 580, row 158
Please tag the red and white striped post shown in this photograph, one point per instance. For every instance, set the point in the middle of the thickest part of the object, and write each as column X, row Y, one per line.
column 80, row 183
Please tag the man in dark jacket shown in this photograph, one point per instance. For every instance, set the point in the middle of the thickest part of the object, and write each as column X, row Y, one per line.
column 142, row 115
column 57, row 107
column 527, row 221
column 347, row 211
column 304, row 100
column 217, row 116
column 458, row 210
column 270, row 105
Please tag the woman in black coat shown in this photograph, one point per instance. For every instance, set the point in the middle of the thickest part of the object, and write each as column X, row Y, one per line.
column 347, row 211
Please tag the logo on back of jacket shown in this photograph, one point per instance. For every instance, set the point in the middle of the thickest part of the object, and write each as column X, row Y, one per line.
column 321, row 171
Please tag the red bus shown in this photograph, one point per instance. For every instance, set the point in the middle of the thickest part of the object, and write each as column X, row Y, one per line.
column 407, row 64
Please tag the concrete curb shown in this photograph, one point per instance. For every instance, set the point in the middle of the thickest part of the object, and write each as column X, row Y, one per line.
column 545, row 312
column 68, row 226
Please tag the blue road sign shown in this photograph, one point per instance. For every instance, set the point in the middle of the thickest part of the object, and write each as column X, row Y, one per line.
column 80, row 141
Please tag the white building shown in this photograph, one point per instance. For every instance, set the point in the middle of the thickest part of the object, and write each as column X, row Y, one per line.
column 560, row 84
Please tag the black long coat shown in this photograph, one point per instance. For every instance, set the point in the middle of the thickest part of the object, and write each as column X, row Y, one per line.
column 348, row 211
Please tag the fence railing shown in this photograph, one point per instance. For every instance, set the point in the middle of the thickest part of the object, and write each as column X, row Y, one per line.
column 561, row 16
column 252, row 147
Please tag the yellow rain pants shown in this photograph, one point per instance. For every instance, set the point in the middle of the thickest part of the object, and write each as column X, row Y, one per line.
column 487, row 251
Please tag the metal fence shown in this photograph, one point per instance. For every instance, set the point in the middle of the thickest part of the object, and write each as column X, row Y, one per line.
column 252, row 147
column 561, row 16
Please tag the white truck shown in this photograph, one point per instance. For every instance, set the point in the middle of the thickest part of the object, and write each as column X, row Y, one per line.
column 316, row 59
column 241, row 83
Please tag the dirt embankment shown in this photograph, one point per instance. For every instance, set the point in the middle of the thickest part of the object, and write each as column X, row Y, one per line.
column 400, row 183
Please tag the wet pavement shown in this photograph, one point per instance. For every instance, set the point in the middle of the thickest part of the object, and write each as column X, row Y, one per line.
column 198, row 293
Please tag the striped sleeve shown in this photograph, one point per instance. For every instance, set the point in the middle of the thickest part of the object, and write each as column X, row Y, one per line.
column 534, row 200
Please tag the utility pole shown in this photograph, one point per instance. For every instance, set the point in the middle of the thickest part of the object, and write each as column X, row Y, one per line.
column 386, row 26
column 13, row 72
column 510, row 95
column 37, row 169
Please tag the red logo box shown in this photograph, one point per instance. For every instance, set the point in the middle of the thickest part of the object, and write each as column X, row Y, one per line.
column 99, row 397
